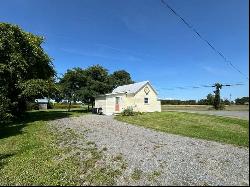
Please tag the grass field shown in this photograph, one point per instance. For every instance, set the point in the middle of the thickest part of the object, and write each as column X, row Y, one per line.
column 221, row 129
column 204, row 107
column 30, row 154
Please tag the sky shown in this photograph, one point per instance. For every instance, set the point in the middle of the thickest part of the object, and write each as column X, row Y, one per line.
column 144, row 38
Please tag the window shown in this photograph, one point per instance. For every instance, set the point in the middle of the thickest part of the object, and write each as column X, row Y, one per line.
column 117, row 100
column 145, row 100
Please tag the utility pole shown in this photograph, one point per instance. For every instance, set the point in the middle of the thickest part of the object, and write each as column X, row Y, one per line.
column 217, row 104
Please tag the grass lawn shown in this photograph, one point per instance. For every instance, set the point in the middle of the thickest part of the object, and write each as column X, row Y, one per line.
column 30, row 155
column 204, row 107
column 216, row 128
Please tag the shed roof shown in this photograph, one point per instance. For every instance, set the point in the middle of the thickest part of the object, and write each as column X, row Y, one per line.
column 45, row 100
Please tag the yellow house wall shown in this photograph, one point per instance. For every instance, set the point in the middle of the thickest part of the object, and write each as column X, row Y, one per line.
column 110, row 104
column 126, row 100
column 100, row 102
column 137, row 101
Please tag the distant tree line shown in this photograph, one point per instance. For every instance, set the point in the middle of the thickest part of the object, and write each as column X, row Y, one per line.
column 242, row 101
column 207, row 101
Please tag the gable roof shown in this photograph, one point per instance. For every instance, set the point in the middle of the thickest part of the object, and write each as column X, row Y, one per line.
column 132, row 88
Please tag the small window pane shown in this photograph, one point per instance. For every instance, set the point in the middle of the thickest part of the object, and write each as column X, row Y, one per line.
column 146, row 100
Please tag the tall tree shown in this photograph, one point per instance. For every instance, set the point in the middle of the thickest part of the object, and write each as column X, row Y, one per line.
column 73, row 81
column 119, row 78
column 98, row 83
column 25, row 69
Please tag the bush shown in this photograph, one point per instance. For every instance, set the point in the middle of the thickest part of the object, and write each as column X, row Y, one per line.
column 128, row 112
column 222, row 106
column 50, row 105
column 32, row 106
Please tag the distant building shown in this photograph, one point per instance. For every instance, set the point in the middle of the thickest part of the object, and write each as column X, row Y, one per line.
column 140, row 96
column 42, row 103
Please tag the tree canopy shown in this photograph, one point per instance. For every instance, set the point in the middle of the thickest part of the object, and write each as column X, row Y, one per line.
column 84, row 84
column 26, row 71
column 120, row 78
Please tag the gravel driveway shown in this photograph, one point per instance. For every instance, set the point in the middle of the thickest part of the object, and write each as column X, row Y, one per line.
column 155, row 158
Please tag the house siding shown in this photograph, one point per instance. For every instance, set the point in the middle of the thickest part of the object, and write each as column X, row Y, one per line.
column 100, row 102
column 153, row 104
column 135, row 101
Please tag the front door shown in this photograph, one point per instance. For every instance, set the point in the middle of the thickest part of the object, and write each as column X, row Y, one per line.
column 117, row 102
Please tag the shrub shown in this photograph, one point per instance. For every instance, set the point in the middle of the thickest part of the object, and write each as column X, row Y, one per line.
column 32, row 106
column 128, row 112
column 50, row 105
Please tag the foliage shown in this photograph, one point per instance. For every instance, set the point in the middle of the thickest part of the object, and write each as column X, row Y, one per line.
column 216, row 128
column 178, row 102
column 242, row 101
column 26, row 71
column 119, row 78
column 72, row 81
column 32, row 106
column 128, row 112
column 85, row 84
column 210, row 99
column 65, row 106
column 5, row 114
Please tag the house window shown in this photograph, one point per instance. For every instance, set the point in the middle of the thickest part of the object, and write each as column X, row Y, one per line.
column 145, row 100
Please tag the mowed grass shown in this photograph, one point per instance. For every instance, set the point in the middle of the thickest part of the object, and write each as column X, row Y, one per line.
column 204, row 107
column 216, row 128
column 28, row 151
column 31, row 153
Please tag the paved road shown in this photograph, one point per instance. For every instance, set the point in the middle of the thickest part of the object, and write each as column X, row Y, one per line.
column 235, row 114
column 156, row 158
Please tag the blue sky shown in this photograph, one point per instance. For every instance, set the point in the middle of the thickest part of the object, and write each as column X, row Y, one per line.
column 144, row 38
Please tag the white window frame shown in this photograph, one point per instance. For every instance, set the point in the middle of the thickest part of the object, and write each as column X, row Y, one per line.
column 145, row 100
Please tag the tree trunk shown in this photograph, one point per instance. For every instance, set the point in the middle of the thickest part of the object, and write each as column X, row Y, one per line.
column 69, row 106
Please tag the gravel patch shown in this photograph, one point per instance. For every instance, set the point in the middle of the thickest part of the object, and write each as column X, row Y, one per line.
column 156, row 158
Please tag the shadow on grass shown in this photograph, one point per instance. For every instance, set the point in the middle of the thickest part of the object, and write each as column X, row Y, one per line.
column 3, row 157
column 15, row 128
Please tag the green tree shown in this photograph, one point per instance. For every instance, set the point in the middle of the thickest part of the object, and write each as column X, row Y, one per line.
column 242, row 101
column 119, row 78
column 226, row 102
column 71, row 82
column 86, row 84
column 25, row 69
column 98, row 82
column 210, row 99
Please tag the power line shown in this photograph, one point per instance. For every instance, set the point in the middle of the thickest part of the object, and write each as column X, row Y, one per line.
column 203, row 39
column 199, row 86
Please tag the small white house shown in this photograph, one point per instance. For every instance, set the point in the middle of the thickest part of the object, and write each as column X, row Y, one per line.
column 141, row 97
